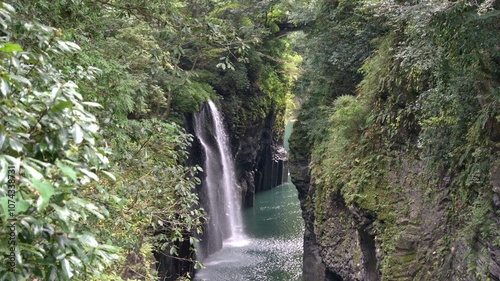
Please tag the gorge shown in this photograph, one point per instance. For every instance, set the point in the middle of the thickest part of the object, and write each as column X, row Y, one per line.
column 140, row 140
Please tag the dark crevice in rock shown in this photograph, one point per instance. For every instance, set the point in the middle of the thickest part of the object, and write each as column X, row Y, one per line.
column 367, row 244
column 332, row 276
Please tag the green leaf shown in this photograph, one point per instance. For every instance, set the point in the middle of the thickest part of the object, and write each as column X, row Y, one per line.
column 67, row 170
column 90, row 174
column 92, row 104
column 62, row 213
column 173, row 251
column 109, row 248
column 110, row 175
column 3, row 170
column 67, row 271
column 88, row 240
column 5, row 206
column 4, row 87
column 10, row 47
column 15, row 145
column 22, row 206
column 20, row 79
column 7, row 7
column 32, row 172
column 46, row 191
column 61, row 106
column 77, row 134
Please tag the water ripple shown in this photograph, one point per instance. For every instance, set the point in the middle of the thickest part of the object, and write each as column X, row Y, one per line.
column 272, row 250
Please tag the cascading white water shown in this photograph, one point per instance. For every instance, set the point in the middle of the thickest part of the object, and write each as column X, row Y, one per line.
column 232, row 195
column 222, row 192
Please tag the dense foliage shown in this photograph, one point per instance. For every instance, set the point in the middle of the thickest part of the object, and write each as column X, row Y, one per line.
column 93, row 157
column 413, row 82
column 93, row 153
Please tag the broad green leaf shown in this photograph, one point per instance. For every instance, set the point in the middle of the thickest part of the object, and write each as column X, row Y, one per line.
column 53, row 274
column 22, row 206
column 88, row 240
column 94, row 210
column 16, row 145
column 21, row 79
column 92, row 104
column 8, row 7
column 90, row 174
column 46, row 191
column 62, row 212
column 72, row 45
column 16, row 162
column 109, row 248
column 19, row 206
column 4, row 201
column 110, row 175
column 4, row 172
column 3, row 137
column 63, row 46
column 32, row 171
column 15, row 62
column 91, row 128
column 173, row 251
column 67, row 170
column 4, row 87
column 10, row 47
column 67, row 270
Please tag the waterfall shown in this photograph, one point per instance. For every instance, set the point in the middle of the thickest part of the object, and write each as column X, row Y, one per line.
column 219, row 186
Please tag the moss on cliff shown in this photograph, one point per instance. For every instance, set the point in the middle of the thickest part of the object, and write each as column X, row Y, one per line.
column 403, row 159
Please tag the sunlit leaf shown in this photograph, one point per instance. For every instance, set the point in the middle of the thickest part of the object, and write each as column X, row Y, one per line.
column 67, row 270
column 20, row 79
column 88, row 240
column 4, row 87
column 22, row 206
column 77, row 134
column 32, row 172
column 92, row 104
column 61, row 105
column 16, row 145
column 10, row 47
column 4, row 201
column 110, row 175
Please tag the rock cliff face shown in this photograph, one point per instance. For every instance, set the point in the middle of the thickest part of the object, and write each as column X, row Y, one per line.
column 257, row 146
column 313, row 266
column 417, row 232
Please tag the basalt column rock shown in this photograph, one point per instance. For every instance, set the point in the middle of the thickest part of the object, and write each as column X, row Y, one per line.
column 257, row 140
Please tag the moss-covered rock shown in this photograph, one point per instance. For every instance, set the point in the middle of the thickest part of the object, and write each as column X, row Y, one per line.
column 399, row 180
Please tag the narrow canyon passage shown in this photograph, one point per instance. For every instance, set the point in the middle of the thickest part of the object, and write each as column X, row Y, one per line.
column 273, row 249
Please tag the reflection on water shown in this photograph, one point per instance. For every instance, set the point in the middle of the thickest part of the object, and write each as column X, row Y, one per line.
column 272, row 250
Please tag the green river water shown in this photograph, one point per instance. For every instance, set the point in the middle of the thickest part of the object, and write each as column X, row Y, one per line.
column 272, row 249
